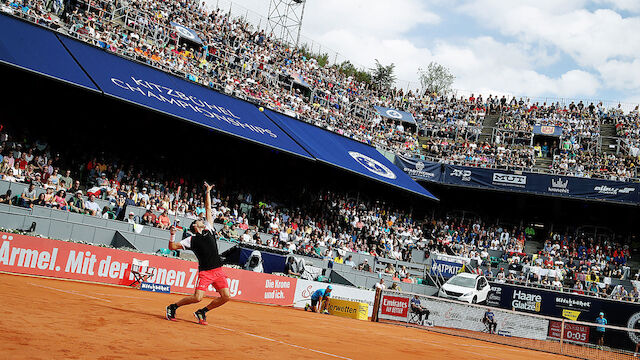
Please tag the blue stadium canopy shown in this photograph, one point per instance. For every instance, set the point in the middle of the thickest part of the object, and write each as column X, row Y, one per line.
column 347, row 154
column 160, row 91
column 36, row 49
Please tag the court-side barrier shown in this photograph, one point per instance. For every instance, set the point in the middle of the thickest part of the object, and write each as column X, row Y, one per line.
column 66, row 260
column 581, row 339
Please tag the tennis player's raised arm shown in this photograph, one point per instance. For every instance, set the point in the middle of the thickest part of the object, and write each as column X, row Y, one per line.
column 173, row 245
column 207, row 202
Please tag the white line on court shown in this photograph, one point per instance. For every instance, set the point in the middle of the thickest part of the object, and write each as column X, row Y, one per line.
column 281, row 342
column 70, row 292
column 125, row 296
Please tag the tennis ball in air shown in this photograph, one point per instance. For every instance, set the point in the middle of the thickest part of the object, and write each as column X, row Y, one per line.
column 261, row 108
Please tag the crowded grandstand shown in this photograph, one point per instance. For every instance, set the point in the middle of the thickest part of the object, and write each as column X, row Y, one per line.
column 128, row 175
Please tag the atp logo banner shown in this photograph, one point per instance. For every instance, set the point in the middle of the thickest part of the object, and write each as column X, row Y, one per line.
column 395, row 114
column 186, row 33
column 345, row 153
column 372, row 165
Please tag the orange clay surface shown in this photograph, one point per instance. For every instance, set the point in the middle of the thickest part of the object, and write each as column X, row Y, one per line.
column 55, row 319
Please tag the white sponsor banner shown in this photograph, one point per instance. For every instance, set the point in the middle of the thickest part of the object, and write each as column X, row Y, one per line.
column 452, row 258
column 461, row 316
column 304, row 289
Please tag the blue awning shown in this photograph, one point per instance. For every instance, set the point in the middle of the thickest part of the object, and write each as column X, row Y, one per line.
column 395, row 114
column 33, row 48
column 346, row 153
column 160, row 91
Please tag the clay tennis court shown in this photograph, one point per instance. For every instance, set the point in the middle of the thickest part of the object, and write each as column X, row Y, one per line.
column 56, row 319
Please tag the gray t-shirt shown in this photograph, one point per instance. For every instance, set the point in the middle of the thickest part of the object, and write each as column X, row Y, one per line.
column 29, row 194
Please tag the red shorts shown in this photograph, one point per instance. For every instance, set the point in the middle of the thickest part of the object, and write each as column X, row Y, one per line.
column 215, row 277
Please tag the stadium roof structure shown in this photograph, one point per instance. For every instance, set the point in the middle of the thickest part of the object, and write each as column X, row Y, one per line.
column 87, row 66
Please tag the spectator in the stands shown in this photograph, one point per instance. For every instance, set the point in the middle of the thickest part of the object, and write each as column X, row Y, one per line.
column 28, row 196
column 380, row 284
column 365, row 265
column 40, row 201
column 59, row 200
column 149, row 218
column 48, row 198
column 289, row 268
column 67, row 179
column 131, row 218
column 76, row 203
column 163, row 220
column 6, row 198
column 91, row 206
column 75, row 188
column 349, row 261
column 36, row 180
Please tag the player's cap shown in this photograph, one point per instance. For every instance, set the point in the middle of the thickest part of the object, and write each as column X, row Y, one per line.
column 131, row 213
column 329, row 288
column 601, row 314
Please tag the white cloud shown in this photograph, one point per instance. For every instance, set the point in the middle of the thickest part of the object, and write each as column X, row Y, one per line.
column 625, row 5
column 485, row 65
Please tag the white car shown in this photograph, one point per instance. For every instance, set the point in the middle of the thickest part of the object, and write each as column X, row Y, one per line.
column 471, row 288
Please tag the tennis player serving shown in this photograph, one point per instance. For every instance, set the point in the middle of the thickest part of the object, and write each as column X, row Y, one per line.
column 204, row 246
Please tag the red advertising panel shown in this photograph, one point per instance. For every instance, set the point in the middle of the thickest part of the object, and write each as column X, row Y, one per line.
column 572, row 332
column 394, row 306
column 39, row 256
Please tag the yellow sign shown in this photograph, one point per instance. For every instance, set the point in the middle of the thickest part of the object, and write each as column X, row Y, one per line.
column 570, row 314
column 349, row 309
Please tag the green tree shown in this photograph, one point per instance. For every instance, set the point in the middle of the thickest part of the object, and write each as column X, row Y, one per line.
column 436, row 78
column 382, row 76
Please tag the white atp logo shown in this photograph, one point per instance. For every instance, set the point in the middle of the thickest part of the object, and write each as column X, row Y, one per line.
column 394, row 114
column 372, row 165
column 184, row 32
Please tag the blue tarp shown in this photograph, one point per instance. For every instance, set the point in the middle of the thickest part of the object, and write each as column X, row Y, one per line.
column 346, row 153
column 186, row 33
column 395, row 114
column 33, row 48
column 157, row 90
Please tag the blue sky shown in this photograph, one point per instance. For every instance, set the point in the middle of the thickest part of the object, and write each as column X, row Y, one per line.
column 582, row 49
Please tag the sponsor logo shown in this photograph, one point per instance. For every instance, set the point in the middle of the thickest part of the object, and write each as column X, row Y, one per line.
column 494, row 297
column 526, row 301
column 573, row 303
column 372, row 165
column 145, row 286
column 559, row 186
column 633, row 324
column 393, row 114
column 464, row 175
column 415, row 172
column 603, row 189
column 508, row 179
column 445, row 268
column 419, row 165
column 570, row 314
column 548, row 130
column 395, row 306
